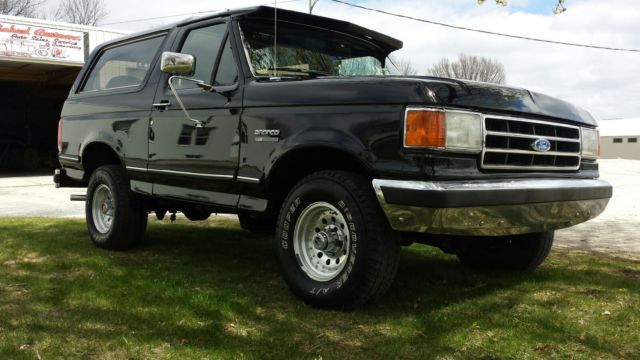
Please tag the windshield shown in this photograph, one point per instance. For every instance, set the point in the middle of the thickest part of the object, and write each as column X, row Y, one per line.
column 307, row 51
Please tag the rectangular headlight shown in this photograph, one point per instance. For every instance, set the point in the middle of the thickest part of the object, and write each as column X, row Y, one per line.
column 443, row 129
column 590, row 143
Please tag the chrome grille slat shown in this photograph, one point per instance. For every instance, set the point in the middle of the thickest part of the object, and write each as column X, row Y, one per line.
column 508, row 145
column 527, row 152
column 498, row 133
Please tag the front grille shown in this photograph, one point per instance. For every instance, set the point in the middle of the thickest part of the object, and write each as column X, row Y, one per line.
column 509, row 145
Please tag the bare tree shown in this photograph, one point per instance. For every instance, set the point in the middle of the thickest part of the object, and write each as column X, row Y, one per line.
column 559, row 9
column 476, row 68
column 84, row 12
column 27, row 8
column 404, row 65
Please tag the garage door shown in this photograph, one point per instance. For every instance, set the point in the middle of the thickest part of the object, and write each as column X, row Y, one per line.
column 31, row 97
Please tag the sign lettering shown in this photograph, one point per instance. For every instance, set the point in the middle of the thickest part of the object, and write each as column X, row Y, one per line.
column 41, row 43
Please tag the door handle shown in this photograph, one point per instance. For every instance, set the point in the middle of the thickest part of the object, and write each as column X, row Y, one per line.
column 162, row 105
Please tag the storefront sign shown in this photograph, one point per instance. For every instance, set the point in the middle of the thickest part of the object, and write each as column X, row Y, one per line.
column 35, row 42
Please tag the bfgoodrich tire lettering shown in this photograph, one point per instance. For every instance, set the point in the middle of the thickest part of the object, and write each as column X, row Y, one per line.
column 372, row 249
column 116, row 219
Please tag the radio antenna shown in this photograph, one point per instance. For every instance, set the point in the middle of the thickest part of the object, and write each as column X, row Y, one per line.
column 275, row 39
column 312, row 4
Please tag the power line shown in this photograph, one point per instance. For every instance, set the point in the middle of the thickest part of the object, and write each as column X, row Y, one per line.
column 158, row 18
column 486, row 31
column 185, row 14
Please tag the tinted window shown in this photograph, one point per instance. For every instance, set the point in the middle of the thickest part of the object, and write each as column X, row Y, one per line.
column 124, row 66
column 227, row 73
column 632, row 140
column 203, row 44
column 617, row 140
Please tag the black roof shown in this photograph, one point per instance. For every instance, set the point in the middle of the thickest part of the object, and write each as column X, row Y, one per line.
column 387, row 43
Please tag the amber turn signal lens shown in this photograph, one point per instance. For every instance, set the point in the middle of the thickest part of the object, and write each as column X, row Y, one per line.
column 425, row 128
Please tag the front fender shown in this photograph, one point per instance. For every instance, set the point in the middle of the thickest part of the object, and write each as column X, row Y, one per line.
column 315, row 139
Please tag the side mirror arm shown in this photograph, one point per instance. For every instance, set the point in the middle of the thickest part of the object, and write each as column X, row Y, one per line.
column 200, row 83
column 224, row 90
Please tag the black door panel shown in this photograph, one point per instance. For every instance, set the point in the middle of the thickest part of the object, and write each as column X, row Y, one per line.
column 182, row 155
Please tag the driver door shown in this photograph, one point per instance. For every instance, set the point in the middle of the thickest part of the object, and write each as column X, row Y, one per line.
column 187, row 161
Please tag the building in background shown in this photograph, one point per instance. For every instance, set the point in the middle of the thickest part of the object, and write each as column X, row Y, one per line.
column 620, row 139
column 39, row 61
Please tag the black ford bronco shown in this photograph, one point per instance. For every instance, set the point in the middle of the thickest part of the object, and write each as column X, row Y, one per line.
column 304, row 128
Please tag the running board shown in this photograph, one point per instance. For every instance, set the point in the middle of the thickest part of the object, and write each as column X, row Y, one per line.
column 78, row 198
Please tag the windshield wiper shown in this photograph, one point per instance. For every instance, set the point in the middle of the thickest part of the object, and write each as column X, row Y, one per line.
column 311, row 73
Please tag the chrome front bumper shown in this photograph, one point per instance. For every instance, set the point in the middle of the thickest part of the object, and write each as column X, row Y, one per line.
column 490, row 208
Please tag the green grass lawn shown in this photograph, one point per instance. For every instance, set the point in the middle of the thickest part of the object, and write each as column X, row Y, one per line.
column 213, row 291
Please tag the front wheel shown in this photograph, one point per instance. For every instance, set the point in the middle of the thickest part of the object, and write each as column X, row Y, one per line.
column 336, row 248
column 115, row 218
column 516, row 252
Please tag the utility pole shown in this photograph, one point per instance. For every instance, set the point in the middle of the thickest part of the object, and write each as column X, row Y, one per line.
column 312, row 4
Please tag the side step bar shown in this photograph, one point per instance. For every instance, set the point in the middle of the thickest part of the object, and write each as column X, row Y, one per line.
column 78, row 197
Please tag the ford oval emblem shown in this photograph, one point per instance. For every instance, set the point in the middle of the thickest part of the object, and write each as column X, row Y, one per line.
column 541, row 145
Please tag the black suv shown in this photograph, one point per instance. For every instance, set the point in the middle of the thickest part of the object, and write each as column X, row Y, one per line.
column 312, row 135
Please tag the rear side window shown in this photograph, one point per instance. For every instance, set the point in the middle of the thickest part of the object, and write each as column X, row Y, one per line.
column 124, row 66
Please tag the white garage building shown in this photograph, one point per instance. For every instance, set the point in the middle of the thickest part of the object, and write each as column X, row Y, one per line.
column 620, row 138
column 39, row 61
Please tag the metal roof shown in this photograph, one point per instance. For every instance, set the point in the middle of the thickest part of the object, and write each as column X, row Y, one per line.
column 620, row 127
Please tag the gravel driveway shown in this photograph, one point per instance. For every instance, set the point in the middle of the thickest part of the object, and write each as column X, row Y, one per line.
column 613, row 232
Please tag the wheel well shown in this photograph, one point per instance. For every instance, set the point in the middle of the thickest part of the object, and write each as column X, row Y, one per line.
column 96, row 155
column 297, row 164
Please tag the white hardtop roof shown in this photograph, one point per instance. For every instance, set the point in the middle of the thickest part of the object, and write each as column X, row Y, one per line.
column 620, row 127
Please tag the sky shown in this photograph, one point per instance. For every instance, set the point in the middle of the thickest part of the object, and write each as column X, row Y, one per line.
column 606, row 83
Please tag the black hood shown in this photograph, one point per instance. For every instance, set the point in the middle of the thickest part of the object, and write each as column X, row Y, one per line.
column 492, row 97
column 428, row 91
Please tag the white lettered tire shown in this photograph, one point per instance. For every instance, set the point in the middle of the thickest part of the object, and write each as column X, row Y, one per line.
column 335, row 246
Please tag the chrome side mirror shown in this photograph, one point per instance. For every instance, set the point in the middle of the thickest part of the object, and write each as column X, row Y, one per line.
column 182, row 67
column 178, row 64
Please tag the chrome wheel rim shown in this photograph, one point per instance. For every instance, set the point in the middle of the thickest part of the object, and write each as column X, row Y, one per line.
column 102, row 209
column 321, row 241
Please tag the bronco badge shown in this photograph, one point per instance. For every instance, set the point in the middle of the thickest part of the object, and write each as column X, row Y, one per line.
column 267, row 135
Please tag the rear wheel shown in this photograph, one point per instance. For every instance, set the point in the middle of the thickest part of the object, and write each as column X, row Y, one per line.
column 335, row 246
column 516, row 252
column 116, row 219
